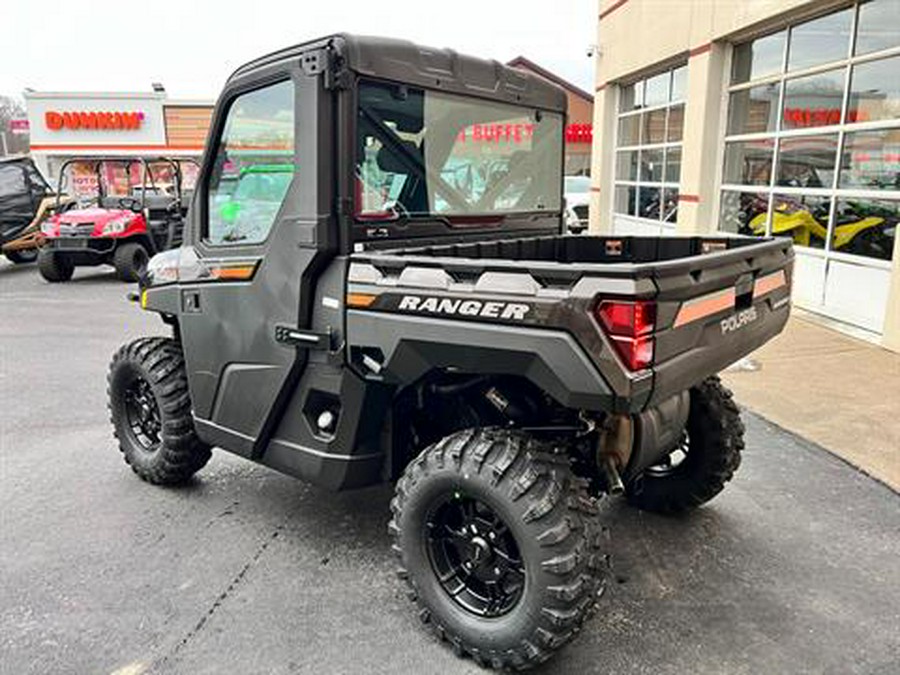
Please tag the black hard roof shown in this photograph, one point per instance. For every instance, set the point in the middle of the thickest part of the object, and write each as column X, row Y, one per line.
column 440, row 69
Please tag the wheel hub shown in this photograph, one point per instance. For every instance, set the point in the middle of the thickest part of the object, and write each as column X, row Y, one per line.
column 475, row 556
column 142, row 414
column 479, row 551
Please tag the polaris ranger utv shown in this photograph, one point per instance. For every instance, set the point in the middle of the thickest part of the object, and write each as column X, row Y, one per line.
column 375, row 287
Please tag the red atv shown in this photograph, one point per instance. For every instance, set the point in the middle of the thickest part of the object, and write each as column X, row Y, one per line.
column 127, row 210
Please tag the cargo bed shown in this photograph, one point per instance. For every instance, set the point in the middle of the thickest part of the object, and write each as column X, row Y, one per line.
column 716, row 299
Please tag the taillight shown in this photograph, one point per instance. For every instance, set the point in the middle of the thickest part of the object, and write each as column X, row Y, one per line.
column 630, row 327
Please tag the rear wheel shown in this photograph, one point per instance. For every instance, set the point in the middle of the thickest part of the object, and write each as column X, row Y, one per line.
column 698, row 469
column 54, row 266
column 28, row 255
column 150, row 410
column 499, row 544
column 130, row 261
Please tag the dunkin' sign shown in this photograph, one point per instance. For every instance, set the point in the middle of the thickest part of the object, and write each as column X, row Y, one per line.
column 89, row 120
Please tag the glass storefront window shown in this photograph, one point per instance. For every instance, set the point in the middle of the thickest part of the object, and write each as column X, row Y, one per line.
column 673, row 165
column 679, row 83
column 648, row 150
column 648, row 202
column 631, row 97
column 675, row 128
column 804, row 218
column 629, row 130
column 626, row 164
column 866, row 227
column 760, row 58
column 857, row 98
column 878, row 26
column 820, row 41
column 749, row 162
column 814, row 101
column 624, row 200
column 653, row 126
column 807, row 161
column 652, row 165
column 670, row 205
column 871, row 160
column 743, row 212
column 754, row 110
column 875, row 90
column 657, row 92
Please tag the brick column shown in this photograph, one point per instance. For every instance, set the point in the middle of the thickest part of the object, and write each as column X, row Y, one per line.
column 702, row 140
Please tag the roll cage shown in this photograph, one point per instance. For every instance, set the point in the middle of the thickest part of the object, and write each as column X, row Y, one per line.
column 147, row 177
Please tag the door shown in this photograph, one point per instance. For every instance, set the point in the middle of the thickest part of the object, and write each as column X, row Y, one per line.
column 255, row 229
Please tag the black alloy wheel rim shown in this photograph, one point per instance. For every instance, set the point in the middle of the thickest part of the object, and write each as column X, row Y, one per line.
column 142, row 414
column 474, row 556
column 673, row 460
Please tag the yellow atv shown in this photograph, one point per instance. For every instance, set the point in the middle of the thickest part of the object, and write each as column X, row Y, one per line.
column 854, row 232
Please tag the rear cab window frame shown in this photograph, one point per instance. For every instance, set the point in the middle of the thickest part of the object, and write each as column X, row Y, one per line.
column 435, row 226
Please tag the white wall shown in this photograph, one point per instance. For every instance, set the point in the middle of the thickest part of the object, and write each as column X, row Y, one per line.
column 152, row 129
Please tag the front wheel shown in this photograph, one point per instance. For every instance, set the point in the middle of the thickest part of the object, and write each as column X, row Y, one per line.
column 23, row 256
column 150, row 410
column 130, row 261
column 499, row 544
column 54, row 266
column 707, row 458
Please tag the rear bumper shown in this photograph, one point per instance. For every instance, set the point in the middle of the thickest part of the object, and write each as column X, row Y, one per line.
column 713, row 349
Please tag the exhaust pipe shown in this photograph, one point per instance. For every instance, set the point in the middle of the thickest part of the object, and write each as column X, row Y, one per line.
column 614, row 451
column 610, row 471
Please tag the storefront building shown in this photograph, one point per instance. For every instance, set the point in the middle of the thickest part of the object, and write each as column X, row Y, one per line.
column 64, row 126
column 579, row 128
column 760, row 117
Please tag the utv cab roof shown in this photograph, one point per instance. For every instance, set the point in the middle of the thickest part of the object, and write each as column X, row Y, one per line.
column 405, row 62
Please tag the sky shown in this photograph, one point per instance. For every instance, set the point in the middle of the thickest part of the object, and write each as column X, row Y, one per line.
column 192, row 46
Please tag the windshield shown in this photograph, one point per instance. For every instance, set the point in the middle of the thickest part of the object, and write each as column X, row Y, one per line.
column 576, row 185
column 103, row 183
column 422, row 153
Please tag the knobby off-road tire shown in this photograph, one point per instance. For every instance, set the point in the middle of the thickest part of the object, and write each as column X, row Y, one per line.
column 150, row 409
column 22, row 257
column 54, row 267
column 715, row 438
column 130, row 261
column 538, row 509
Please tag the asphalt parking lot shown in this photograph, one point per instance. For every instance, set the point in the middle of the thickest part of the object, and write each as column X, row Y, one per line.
column 794, row 569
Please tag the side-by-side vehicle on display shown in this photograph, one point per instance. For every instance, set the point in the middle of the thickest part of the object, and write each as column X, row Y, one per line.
column 26, row 201
column 130, row 209
column 375, row 287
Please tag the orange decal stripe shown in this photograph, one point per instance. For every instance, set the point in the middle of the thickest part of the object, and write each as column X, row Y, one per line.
column 769, row 283
column 241, row 273
column 705, row 306
column 360, row 299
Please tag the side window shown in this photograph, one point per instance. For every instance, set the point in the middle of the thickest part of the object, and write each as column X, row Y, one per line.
column 253, row 167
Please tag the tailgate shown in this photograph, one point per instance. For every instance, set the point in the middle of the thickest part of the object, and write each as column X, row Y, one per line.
column 712, row 310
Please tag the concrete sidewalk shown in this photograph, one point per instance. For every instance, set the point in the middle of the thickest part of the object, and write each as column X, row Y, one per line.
column 832, row 389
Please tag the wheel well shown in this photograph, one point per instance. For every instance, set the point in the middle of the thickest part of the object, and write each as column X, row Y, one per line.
column 443, row 402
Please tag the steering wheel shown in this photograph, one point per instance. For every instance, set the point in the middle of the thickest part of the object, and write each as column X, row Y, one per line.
column 129, row 203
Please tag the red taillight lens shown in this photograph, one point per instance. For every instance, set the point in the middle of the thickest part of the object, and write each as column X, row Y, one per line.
column 630, row 326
